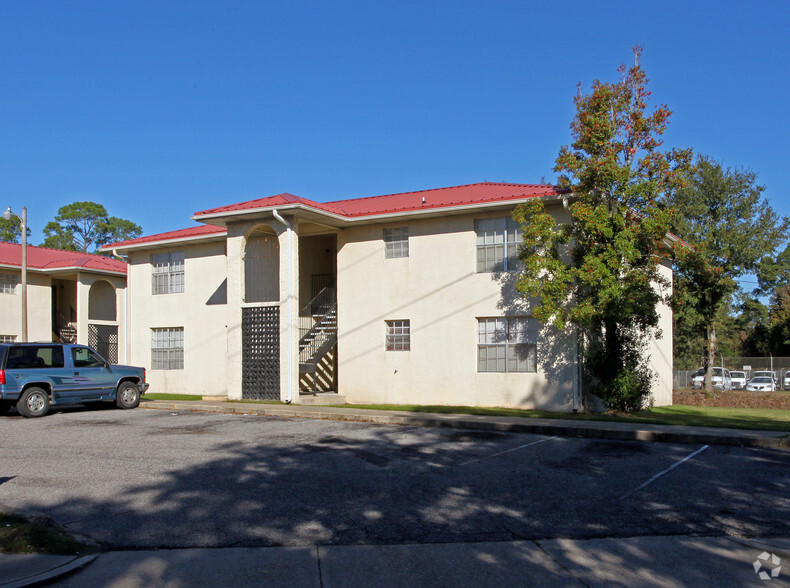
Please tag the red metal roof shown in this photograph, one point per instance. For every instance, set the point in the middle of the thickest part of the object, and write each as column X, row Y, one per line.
column 466, row 195
column 454, row 196
column 41, row 258
column 196, row 231
column 268, row 202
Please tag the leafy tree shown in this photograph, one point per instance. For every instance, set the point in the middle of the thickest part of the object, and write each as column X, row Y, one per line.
column 752, row 323
column 728, row 230
column 601, row 272
column 85, row 225
column 773, row 273
column 11, row 231
column 779, row 313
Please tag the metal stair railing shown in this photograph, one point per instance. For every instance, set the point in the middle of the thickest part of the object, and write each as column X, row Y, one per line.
column 66, row 330
column 318, row 330
column 316, row 342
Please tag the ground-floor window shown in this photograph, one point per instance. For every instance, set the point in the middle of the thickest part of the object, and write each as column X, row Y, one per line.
column 507, row 344
column 398, row 336
column 167, row 348
column 7, row 338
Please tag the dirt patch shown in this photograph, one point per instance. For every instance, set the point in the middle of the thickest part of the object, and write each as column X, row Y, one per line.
column 733, row 399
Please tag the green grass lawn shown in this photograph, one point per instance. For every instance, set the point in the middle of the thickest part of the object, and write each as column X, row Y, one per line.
column 21, row 535
column 697, row 416
column 170, row 397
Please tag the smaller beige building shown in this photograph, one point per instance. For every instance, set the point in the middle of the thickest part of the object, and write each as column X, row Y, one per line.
column 401, row 299
column 71, row 296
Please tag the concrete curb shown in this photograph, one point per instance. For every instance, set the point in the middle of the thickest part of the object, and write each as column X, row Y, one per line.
column 52, row 574
column 542, row 426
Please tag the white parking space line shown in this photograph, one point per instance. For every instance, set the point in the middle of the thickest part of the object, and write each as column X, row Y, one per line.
column 506, row 451
column 666, row 471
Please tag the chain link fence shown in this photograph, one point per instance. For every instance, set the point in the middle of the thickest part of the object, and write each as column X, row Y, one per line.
column 779, row 365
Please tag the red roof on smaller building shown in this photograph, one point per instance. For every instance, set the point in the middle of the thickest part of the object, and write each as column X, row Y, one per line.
column 196, row 231
column 41, row 258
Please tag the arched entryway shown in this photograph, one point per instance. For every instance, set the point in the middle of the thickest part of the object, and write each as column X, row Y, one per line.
column 262, row 266
column 103, row 320
column 260, row 323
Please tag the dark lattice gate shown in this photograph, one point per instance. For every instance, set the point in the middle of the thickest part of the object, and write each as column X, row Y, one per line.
column 104, row 339
column 260, row 353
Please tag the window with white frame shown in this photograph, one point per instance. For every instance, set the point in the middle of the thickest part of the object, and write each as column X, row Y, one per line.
column 497, row 244
column 167, row 348
column 507, row 344
column 8, row 283
column 7, row 338
column 167, row 272
column 398, row 335
column 396, row 242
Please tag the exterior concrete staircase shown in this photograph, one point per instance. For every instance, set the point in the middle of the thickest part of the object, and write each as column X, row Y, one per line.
column 318, row 336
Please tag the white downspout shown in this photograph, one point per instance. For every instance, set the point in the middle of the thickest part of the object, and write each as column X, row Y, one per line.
column 289, row 304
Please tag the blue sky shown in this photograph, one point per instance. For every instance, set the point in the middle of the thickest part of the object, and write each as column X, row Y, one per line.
column 160, row 109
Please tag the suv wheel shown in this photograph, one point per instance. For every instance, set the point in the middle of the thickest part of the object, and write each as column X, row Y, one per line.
column 128, row 395
column 34, row 402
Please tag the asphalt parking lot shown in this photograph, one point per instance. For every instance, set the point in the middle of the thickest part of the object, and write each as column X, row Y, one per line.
column 168, row 479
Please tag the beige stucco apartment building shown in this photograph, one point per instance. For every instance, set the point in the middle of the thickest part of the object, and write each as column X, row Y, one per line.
column 403, row 299
column 71, row 296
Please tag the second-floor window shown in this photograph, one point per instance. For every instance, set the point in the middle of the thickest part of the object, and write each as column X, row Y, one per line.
column 8, row 283
column 167, row 275
column 396, row 242
column 497, row 244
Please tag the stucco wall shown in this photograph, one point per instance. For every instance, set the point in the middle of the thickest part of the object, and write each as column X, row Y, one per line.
column 438, row 289
column 661, row 350
column 39, row 308
column 200, row 310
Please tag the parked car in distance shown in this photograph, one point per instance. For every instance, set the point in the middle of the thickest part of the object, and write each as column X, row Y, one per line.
column 36, row 376
column 766, row 374
column 761, row 384
column 739, row 380
column 787, row 380
column 725, row 383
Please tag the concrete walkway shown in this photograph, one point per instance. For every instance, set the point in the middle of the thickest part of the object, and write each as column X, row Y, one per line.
column 636, row 561
column 562, row 427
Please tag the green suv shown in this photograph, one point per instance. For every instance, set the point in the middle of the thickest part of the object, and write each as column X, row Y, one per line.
column 35, row 376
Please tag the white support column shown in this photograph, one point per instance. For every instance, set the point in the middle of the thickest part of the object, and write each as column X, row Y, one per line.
column 83, row 305
column 235, row 261
column 289, row 311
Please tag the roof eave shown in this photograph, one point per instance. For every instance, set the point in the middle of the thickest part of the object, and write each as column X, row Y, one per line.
column 165, row 242
column 222, row 218
column 63, row 269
